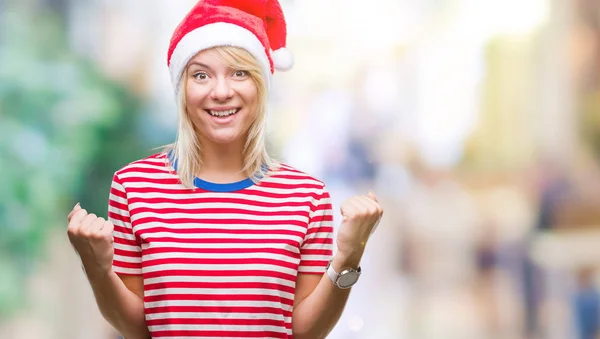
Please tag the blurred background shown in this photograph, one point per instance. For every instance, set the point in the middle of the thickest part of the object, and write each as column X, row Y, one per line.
column 477, row 123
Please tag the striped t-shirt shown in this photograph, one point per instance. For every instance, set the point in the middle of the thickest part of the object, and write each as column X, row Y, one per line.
column 220, row 260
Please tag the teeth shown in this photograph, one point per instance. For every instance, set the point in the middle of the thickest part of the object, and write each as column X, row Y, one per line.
column 222, row 113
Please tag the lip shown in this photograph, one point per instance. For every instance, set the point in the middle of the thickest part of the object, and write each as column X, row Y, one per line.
column 223, row 121
column 224, row 108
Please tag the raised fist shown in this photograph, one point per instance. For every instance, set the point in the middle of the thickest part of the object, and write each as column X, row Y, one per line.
column 92, row 239
column 361, row 215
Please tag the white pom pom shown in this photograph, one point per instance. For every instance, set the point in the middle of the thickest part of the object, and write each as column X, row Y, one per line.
column 283, row 59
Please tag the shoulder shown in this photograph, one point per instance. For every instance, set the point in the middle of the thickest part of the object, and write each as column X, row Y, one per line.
column 154, row 164
column 294, row 178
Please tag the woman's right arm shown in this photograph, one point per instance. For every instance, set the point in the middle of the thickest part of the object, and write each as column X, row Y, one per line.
column 120, row 299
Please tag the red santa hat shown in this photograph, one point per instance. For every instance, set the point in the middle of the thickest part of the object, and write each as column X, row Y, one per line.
column 258, row 26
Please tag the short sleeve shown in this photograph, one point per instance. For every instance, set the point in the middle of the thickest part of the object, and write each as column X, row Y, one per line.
column 317, row 247
column 128, row 253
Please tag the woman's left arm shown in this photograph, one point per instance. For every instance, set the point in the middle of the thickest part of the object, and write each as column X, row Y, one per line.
column 318, row 302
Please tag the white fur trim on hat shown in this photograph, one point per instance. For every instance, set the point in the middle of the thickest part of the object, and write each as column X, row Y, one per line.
column 283, row 60
column 212, row 35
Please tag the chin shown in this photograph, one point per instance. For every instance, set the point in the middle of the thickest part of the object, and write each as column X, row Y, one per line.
column 224, row 139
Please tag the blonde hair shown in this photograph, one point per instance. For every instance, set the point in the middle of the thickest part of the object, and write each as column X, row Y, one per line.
column 187, row 150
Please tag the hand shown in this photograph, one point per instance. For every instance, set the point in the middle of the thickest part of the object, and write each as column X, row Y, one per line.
column 92, row 239
column 361, row 215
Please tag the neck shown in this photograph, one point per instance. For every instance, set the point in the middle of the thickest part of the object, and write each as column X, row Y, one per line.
column 222, row 163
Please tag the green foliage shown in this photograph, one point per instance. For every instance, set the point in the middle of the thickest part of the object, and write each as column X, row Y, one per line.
column 64, row 130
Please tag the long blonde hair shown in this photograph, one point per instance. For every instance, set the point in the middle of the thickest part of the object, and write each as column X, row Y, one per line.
column 187, row 150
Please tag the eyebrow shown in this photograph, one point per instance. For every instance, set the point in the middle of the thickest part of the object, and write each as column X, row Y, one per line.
column 195, row 63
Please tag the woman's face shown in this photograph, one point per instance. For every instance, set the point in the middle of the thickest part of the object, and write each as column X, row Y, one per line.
column 222, row 102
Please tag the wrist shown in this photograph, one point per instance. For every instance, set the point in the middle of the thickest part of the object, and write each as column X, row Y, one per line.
column 344, row 269
column 344, row 260
column 95, row 272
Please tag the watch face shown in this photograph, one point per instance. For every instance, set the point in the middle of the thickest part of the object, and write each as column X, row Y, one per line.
column 348, row 279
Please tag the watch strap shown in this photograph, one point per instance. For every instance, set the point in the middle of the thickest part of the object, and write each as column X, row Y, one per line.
column 334, row 276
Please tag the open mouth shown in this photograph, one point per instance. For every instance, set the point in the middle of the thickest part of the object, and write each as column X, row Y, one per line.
column 223, row 113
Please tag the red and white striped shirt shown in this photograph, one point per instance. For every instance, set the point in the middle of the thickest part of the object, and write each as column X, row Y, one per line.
column 221, row 260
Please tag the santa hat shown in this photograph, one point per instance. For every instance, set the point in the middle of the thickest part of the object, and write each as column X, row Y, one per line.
column 258, row 26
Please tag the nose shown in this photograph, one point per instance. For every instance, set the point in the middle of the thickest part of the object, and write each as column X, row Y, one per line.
column 222, row 90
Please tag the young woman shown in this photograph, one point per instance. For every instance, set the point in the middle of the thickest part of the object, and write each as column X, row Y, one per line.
column 212, row 238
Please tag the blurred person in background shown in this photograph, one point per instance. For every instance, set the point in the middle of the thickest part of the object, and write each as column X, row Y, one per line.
column 586, row 305
column 212, row 237
column 552, row 187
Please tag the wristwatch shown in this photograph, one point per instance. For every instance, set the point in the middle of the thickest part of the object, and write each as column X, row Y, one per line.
column 345, row 279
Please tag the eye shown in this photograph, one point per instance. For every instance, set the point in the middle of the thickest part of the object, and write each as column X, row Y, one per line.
column 240, row 74
column 200, row 76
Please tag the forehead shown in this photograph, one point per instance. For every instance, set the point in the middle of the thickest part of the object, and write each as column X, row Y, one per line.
column 208, row 57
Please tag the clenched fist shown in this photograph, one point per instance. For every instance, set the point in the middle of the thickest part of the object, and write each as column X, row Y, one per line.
column 360, row 214
column 92, row 239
